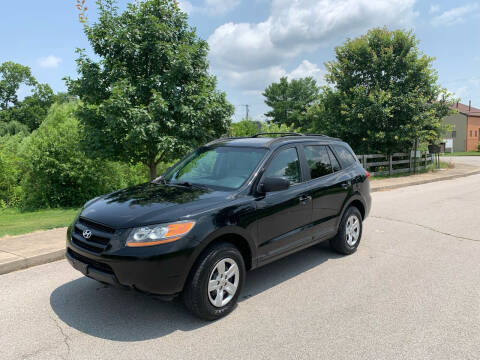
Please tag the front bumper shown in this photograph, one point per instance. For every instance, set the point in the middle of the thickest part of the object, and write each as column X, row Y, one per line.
column 157, row 270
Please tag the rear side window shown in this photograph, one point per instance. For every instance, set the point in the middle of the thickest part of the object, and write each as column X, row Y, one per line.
column 333, row 160
column 318, row 160
column 285, row 165
column 345, row 156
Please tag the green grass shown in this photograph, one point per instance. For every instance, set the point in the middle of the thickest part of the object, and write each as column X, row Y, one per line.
column 15, row 222
column 443, row 165
column 465, row 153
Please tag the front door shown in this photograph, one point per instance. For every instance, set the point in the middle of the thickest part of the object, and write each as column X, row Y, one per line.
column 283, row 216
column 328, row 187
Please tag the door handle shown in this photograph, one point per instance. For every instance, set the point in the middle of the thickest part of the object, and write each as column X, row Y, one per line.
column 346, row 185
column 304, row 199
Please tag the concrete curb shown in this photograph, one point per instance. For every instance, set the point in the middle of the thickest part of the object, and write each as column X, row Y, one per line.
column 25, row 263
column 420, row 182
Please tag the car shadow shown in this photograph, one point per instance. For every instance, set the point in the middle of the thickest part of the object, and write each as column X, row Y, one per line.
column 116, row 314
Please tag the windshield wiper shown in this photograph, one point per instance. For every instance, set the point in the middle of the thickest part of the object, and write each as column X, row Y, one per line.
column 190, row 185
column 160, row 180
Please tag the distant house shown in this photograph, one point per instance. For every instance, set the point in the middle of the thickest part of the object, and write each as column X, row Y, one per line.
column 465, row 132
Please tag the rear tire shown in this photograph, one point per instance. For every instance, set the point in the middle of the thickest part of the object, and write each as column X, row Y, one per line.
column 216, row 282
column 349, row 232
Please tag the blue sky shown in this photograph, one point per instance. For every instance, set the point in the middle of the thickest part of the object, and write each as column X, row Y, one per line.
column 255, row 42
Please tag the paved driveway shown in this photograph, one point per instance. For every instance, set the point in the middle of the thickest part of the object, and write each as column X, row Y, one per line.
column 412, row 291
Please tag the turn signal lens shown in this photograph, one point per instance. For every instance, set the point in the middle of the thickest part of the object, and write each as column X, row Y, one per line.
column 367, row 174
column 159, row 234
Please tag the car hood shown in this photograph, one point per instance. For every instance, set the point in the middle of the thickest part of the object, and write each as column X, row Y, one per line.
column 149, row 204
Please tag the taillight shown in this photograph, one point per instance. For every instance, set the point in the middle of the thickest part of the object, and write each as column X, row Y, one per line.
column 367, row 174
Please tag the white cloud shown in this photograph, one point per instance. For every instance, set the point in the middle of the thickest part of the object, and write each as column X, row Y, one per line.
column 305, row 69
column 220, row 6
column 456, row 15
column 249, row 53
column 50, row 61
column 434, row 8
column 210, row 7
column 185, row 6
column 253, row 82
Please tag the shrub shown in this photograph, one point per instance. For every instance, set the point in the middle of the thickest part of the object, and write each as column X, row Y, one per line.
column 57, row 173
column 250, row 128
column 10, row 191
column 478, row 146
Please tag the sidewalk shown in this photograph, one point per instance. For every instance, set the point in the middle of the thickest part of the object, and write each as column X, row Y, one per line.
column 460, row 170
column 23, row 251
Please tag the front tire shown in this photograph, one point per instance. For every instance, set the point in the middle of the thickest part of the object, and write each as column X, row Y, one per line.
column 216, row 282
column 349, row 232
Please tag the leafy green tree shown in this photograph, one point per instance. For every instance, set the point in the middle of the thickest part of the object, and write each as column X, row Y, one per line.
column 290, row 100
column 245, row 128
column 12, row 76
column 56, row 172
column 10, row 169
column 383, row 95
column 33, row 109
column 27, row 114
column 249, row 128
column 150, row 97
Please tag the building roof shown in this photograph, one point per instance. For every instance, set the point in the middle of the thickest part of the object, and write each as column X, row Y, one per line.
column 465, row 109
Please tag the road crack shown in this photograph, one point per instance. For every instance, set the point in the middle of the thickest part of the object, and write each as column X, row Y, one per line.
column 425, row 227
column 66, row 338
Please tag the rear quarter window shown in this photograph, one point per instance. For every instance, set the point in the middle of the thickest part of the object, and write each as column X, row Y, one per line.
column 345, row 155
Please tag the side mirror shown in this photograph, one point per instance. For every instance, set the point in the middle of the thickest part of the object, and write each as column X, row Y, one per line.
column 271, row 184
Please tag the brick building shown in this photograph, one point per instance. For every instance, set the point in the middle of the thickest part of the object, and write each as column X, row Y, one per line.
column 465, row 125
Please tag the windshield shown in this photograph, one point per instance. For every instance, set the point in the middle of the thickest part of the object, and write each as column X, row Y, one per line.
column 224, row 166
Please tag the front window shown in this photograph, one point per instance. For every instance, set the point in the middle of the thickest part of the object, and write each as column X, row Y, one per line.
column 285, row 165
column 223, row 167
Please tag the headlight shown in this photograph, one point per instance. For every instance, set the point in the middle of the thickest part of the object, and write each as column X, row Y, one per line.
column 159, row 234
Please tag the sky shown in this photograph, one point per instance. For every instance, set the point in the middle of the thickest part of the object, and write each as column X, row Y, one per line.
column 255, row 42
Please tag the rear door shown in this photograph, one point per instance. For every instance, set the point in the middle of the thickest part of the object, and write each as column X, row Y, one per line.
column 283, row 215
column 328, row 187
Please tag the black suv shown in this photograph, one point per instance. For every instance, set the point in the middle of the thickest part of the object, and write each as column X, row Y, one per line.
column 230, row 206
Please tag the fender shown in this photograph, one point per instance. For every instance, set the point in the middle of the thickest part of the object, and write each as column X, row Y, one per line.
column 356, row 196
column 225, row 231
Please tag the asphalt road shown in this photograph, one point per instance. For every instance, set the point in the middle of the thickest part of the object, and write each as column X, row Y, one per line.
column 412, row 291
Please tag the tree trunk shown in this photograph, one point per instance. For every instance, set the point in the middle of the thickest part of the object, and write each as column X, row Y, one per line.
column 153, row 170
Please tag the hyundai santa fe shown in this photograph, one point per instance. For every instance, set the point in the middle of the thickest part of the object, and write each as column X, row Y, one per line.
column 230, row 206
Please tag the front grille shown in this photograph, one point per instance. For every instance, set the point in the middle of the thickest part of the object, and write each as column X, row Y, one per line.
column 95, row 264
column 99, row 239
column 96, row 226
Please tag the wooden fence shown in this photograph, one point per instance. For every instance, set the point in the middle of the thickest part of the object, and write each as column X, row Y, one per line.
column 379, row 164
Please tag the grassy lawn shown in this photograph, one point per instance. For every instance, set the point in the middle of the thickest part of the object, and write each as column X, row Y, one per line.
column 443, row 165
column 465, row 153
column 14, row 222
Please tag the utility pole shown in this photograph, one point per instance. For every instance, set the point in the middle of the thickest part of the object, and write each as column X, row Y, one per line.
column 246, row 110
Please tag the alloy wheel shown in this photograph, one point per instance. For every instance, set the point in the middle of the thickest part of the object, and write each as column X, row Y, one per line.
column 223, row 282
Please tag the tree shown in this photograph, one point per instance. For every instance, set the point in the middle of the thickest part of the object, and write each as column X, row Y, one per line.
column 55, row 171
column 249, row 128
column 290, row 100
column 34, row 108
column 27, row 114
column 383, row 95
column 12, row 76
column 150, row 97
column 245, row 128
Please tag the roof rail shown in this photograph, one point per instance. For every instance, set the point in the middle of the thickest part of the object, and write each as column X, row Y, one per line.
column 317, row 135
column 224, row 139
column 278, row 133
